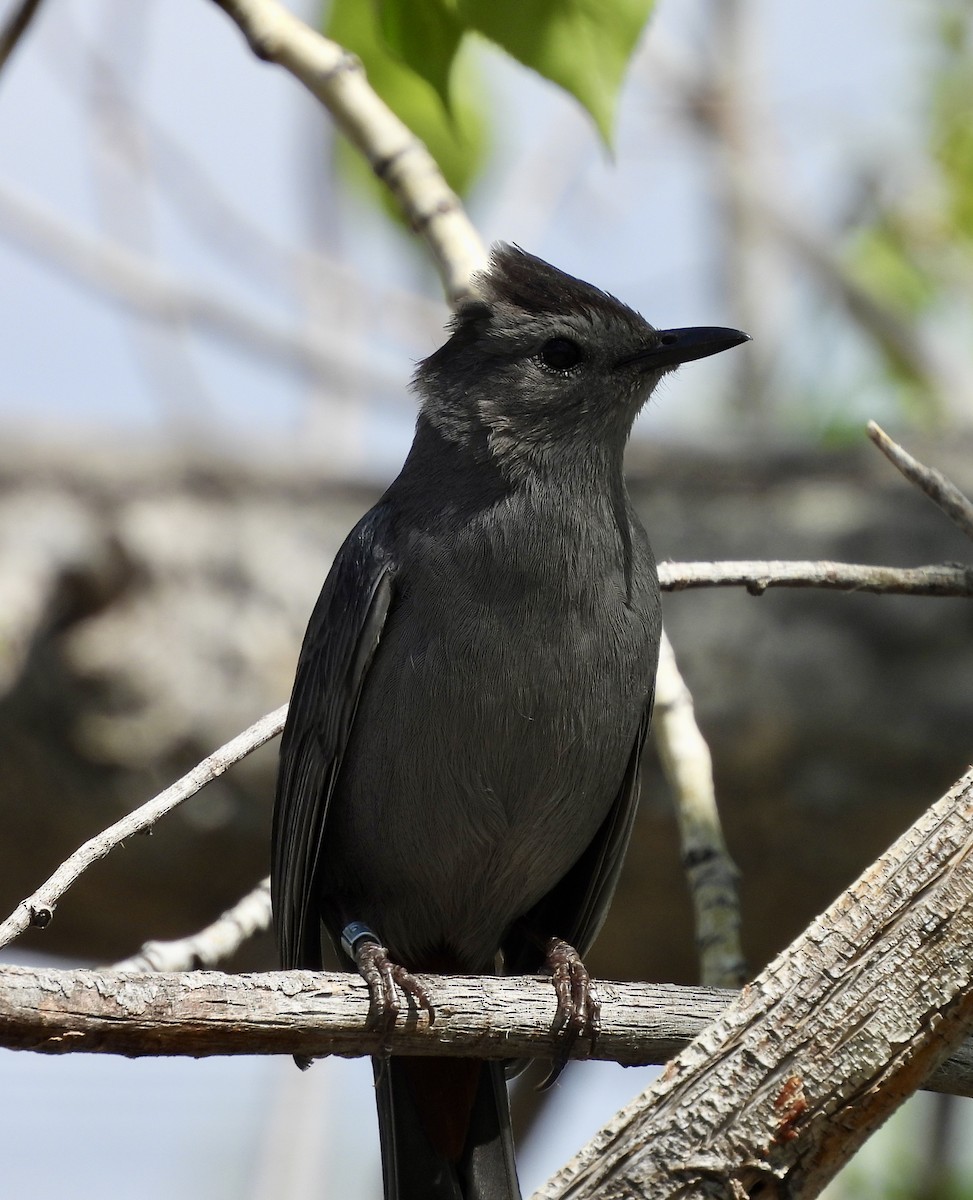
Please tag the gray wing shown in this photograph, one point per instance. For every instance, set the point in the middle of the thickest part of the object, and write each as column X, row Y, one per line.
column 576, row 907
column 340, row 643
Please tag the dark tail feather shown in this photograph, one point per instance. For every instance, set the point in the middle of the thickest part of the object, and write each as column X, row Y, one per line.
column 445, row 1130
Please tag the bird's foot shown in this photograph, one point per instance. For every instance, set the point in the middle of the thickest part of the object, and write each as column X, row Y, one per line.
column 578, row 1007
column 384, row 977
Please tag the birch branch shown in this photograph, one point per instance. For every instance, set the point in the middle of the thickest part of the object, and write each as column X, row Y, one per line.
column 398, row 158
column 710, row 872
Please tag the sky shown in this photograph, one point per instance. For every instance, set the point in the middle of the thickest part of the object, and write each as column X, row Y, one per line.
column 216, row 124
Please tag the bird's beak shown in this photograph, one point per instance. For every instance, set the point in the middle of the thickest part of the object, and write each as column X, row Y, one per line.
column 677, row 346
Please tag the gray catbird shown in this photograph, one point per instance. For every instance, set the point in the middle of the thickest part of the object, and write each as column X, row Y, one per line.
column 459, row 769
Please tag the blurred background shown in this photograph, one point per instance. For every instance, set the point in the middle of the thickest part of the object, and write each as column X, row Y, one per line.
column 209, row 325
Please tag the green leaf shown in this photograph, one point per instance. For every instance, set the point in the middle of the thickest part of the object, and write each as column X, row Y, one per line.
column 952, row 136
column 887, row 264
column 583, row 45
column 456, row 139
column 425, row 35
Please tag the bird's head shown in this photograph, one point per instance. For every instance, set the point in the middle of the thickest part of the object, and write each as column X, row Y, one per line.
column 539, row 362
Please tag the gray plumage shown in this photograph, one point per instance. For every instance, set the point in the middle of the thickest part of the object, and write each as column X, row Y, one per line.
column 459, row 769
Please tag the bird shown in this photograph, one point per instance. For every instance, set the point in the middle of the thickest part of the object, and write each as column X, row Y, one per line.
column 459, row 769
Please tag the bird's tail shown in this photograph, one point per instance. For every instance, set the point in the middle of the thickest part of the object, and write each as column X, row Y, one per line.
column 445, row 1129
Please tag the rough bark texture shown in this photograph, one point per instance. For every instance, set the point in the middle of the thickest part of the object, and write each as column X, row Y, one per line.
column 150, row 608
column 53, row 1011
column 204, row 1012
column 779, row 1092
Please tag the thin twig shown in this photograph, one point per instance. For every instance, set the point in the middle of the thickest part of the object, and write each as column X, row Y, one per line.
column 216, row 943
column 14, row 30
column 38, row 909
column 710, row 871
column 940, row 490
column 395, row 154
column 139, row 284
column 946, row 579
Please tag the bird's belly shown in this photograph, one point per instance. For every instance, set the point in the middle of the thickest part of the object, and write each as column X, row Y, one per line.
column 494, row 756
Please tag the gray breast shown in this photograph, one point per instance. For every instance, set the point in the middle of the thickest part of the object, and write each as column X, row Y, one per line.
column 500, row 720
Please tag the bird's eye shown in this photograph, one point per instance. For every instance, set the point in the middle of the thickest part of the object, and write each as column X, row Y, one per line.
column 561, row 354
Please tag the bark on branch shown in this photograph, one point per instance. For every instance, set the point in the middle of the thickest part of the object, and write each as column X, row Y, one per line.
column 776, row 1094
column 945, row 579
column 205, row 1013
column 393, row 151
column 838, row 1031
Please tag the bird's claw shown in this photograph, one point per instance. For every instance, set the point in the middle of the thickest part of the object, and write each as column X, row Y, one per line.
column 386, row 979
column 578, row 1007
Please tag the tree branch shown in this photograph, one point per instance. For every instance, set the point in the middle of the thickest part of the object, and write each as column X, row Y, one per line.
column 946, row 579
column 216, row 943
column 38, row 909
column 395, row 154
column 133, row 280
column 710, row 871
column 205, row 1013
column 15, row 28
column 940, row 490
column 813, row 1055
